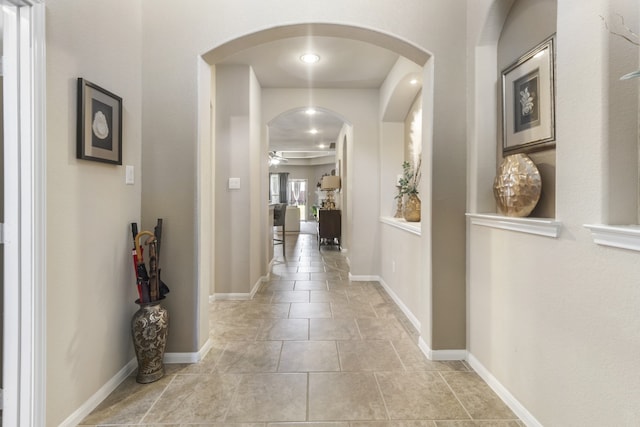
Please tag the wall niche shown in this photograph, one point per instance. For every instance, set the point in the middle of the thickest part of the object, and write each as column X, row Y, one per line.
column 527, row 25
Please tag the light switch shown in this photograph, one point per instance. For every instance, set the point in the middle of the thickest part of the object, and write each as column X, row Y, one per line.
column 234, row 183
column 129, row 175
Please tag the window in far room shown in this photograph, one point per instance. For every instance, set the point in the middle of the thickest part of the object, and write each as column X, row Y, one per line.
column 297, row 195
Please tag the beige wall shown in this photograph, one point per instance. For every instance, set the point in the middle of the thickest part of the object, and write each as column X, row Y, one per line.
column 233, row 207
column 90, row 280
column 555, row 320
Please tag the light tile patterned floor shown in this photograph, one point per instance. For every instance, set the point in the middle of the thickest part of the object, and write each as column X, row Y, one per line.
column 311, row 349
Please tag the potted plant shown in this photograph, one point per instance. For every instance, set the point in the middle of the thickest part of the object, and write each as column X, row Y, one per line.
column 408, row 189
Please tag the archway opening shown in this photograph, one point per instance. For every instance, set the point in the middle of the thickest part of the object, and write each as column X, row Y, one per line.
column 241, row 119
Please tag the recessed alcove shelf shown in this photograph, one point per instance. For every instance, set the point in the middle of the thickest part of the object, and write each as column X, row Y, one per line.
column 538, row 226
column 617, row 236
column 411, row 227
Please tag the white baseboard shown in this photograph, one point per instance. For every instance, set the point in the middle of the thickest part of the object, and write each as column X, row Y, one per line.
column 232, row 297
column 412, row 318
column 441, row 354
column 99, row 396
column 79, row 414
column 257, row 285
column 239, row 296
column 364, row 278
column 525, row 416
column 194, row 357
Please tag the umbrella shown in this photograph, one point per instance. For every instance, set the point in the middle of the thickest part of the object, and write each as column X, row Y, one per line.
column 163, row 288
column 134, row 254
column 141, row 269
column 153, row 269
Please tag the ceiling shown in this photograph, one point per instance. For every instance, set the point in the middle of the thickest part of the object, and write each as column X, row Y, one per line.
column 344, row 64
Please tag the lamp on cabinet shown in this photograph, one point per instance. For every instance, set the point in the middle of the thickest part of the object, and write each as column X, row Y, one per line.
column 330, row 183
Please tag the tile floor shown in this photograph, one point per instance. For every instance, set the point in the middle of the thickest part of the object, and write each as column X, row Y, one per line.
column 310, row 349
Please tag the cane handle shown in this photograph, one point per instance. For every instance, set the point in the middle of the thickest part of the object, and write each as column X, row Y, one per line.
column 137, row 243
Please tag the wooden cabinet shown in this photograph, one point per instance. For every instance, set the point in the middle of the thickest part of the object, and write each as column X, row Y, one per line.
column 329, row 226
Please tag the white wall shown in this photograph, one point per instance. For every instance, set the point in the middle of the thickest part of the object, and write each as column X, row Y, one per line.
column 402, row 254
column 400, row 250
column 206, row 203
column 555, row 320
column 258, row 181
column 90, row 280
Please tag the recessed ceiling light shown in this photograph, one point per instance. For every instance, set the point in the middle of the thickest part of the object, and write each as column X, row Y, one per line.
column 310, row 58
column 310, row 111
column 321, row 146
column 414, row 81
column 313, row 131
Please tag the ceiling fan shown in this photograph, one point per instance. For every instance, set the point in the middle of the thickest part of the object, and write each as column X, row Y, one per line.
column 275, row 158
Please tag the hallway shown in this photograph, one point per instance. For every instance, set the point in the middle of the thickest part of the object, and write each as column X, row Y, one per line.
column 312, row 348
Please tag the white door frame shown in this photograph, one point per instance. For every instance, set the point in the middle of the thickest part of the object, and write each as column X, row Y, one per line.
column 24, row 363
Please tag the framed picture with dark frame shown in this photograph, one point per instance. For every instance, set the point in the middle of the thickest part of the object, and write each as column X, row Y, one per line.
column 99, row 127
column 528, row 101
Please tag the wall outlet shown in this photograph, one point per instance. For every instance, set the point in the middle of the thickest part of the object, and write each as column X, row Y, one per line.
column 234, row 183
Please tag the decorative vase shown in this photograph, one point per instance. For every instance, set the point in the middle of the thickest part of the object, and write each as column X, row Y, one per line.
column 517, row 186
column 412, row 208
column 149, row 327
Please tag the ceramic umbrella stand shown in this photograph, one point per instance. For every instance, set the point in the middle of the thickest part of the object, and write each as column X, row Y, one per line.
column 149, row 327
column 150, row 324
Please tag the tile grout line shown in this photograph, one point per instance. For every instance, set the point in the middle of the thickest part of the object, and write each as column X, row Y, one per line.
column 157, row 399
column 234, row 397
column 384, row 401
column 280, row 356
column 358, row 328
column 398, row 355
column 215, row 365
column 455, row 395
column 308, row 395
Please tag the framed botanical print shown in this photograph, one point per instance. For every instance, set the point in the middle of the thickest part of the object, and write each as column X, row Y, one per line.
column 528, row 101
column 99, row 127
